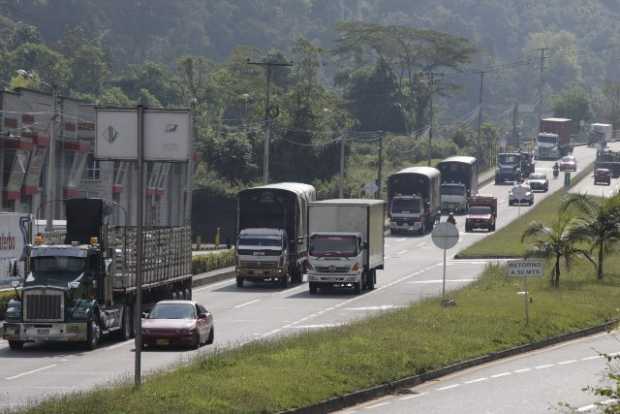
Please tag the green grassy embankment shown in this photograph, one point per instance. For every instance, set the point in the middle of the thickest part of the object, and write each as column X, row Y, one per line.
column 306, row 368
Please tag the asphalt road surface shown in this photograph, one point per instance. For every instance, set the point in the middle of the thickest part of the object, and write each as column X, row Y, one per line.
column 412, row 272
column 537, row 382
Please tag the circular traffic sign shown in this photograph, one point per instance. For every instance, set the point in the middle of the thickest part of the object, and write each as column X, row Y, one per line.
column 445, row 235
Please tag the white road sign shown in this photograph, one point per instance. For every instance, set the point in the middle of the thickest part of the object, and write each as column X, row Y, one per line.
column 167, row 135
column 445, row 235
column 526, row 268
column 371, row 187
column 117, row 134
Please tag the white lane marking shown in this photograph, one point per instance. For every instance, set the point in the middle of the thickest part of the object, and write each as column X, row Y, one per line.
column 23, row 374
column 242, row 305
column 410, row 397
column 213, row 285
column 522, row 370
column 570, row 361
column 376, row 308
column 586, row 408
column 424, row 282
column 544, row 366
column 402, row 252
column 317, row 326
column 476, row 380
column 371, row 407
column 288, row 292
column 448, row 387
column 502, row 374
column 420, row 244
column 590, row 358
column 121, row 344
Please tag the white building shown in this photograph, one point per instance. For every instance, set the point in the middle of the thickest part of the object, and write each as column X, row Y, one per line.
column 26, row 127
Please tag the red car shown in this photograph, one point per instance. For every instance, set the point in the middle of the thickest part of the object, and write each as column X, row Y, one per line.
column 568, row 163
column 178, row 322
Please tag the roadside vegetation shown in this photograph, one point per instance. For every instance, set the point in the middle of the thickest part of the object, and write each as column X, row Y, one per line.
column 269, row 376
column 213, row 261
column 4, row 301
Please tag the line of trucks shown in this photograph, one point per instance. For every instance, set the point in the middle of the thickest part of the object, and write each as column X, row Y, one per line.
column 80, row 284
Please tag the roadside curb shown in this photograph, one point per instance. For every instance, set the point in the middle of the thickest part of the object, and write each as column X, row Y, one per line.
column 214, row 276
column 484, row 257
column 368, row 394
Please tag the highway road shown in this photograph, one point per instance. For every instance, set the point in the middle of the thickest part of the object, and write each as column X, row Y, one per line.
column 537, row 382
column 413, row 272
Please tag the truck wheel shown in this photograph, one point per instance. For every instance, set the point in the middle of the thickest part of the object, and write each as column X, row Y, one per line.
column 493, row 227
column 16, row 345
column 283, row 282
column 239, row 282
column 188, row 293
column 127, row 323
column 357, row 288
column 94, row 335
column 372, row 279
column 298, row 274
column 211, row 337
column 313, row 288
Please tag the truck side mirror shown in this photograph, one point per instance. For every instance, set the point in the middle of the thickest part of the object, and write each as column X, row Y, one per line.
column 365, row 245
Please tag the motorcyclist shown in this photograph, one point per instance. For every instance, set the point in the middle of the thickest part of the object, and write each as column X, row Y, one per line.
column 556, row 169
column 451, row 219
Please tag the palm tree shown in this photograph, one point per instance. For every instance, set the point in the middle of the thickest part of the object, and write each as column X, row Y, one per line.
column 555, row 242
column 598, row 221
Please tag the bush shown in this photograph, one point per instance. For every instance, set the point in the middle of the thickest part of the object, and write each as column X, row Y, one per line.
column 213, row 261
column 4, row 300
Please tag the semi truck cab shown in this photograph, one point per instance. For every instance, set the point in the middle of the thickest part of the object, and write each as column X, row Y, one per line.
column 548, row 146
column 454, row 197
column 262, row 254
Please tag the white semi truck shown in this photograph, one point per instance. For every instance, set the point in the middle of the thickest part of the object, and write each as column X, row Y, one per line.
column 346, row 245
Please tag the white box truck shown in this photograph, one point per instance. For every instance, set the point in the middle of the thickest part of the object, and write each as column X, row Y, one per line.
column 346, row 243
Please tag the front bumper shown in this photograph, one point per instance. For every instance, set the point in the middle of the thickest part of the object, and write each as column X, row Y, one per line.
column 167, row 339
column 478, row 224
column 521, row 201
column 261, row 272
column 334, row 279
column 52, row 332
column 406, row 226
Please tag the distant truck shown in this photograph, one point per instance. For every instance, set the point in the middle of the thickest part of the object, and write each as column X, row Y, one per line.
column 553, row 140
column 85, row 287
column 346, row 243
column 482, row 213
column 508, row 167
column 528, row 165
column 600, row 135
column 272, row 233
column 609, row 160
column 459, row 182
column 414, row 199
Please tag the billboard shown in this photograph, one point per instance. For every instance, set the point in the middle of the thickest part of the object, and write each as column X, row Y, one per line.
column 167, row 135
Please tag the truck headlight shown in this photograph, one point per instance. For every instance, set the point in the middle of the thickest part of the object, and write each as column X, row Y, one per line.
column 356, row 267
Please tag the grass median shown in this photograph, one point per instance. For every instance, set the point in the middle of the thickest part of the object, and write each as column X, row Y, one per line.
column 270, row 376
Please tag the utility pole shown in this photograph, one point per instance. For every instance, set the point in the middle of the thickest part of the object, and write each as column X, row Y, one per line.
column 269, row 115
column 139, row 251
column 341, row 180
column 480, row 97
column 541, row 85
column 515, row 120
column 432, row 76
column 50, row 182
column 380, row 166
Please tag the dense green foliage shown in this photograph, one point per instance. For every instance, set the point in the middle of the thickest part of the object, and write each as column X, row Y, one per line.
column 358, row 66
column 212, row 261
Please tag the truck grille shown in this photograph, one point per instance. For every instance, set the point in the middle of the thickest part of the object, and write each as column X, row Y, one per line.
column 332, row 269
column 43, row 307
column 259, row 265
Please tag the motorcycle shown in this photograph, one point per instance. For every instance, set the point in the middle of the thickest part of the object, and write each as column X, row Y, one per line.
column 556, row 172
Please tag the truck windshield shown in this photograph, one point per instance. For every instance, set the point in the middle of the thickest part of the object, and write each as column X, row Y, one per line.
column 407, row 206
column 544, row 139
column 59, row 269
column 480, row 210
column 256, row 241
column 336, row 246
column 508, row 159
column 453, row 189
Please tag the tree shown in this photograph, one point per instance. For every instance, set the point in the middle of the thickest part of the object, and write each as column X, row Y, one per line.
column 232, row 157
column 114, row 96
column 556, row 242
column 598, row 222
column 88, row 60
column 574, row 104
column 50, row 65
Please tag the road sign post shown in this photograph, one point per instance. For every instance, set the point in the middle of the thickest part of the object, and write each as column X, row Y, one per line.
column 526, row 268
column 445, row 236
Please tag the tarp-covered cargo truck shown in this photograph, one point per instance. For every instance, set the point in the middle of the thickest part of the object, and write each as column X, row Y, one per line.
column 85, row 287
column 346, row 243
column 553, row 139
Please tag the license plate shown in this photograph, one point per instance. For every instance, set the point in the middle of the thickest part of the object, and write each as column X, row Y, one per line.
column 43, row 331
column 162, row 342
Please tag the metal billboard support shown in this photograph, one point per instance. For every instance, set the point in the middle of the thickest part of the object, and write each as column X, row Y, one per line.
column 139, row 250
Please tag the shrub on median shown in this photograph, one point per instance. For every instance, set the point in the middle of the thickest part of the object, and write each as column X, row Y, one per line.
column 213, row 261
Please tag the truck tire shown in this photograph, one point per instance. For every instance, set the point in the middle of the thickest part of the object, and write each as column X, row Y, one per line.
column 239, row 282
column 188, row 293
column 313, row 288
column 283, row 281
column 94, row 335
column 127, row 331
column 357, row 288
column 493, row 227
column 372, row 279
column 16, row 345
column 298, row 274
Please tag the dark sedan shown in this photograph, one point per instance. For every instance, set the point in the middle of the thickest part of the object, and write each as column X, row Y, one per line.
column 178, row 322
